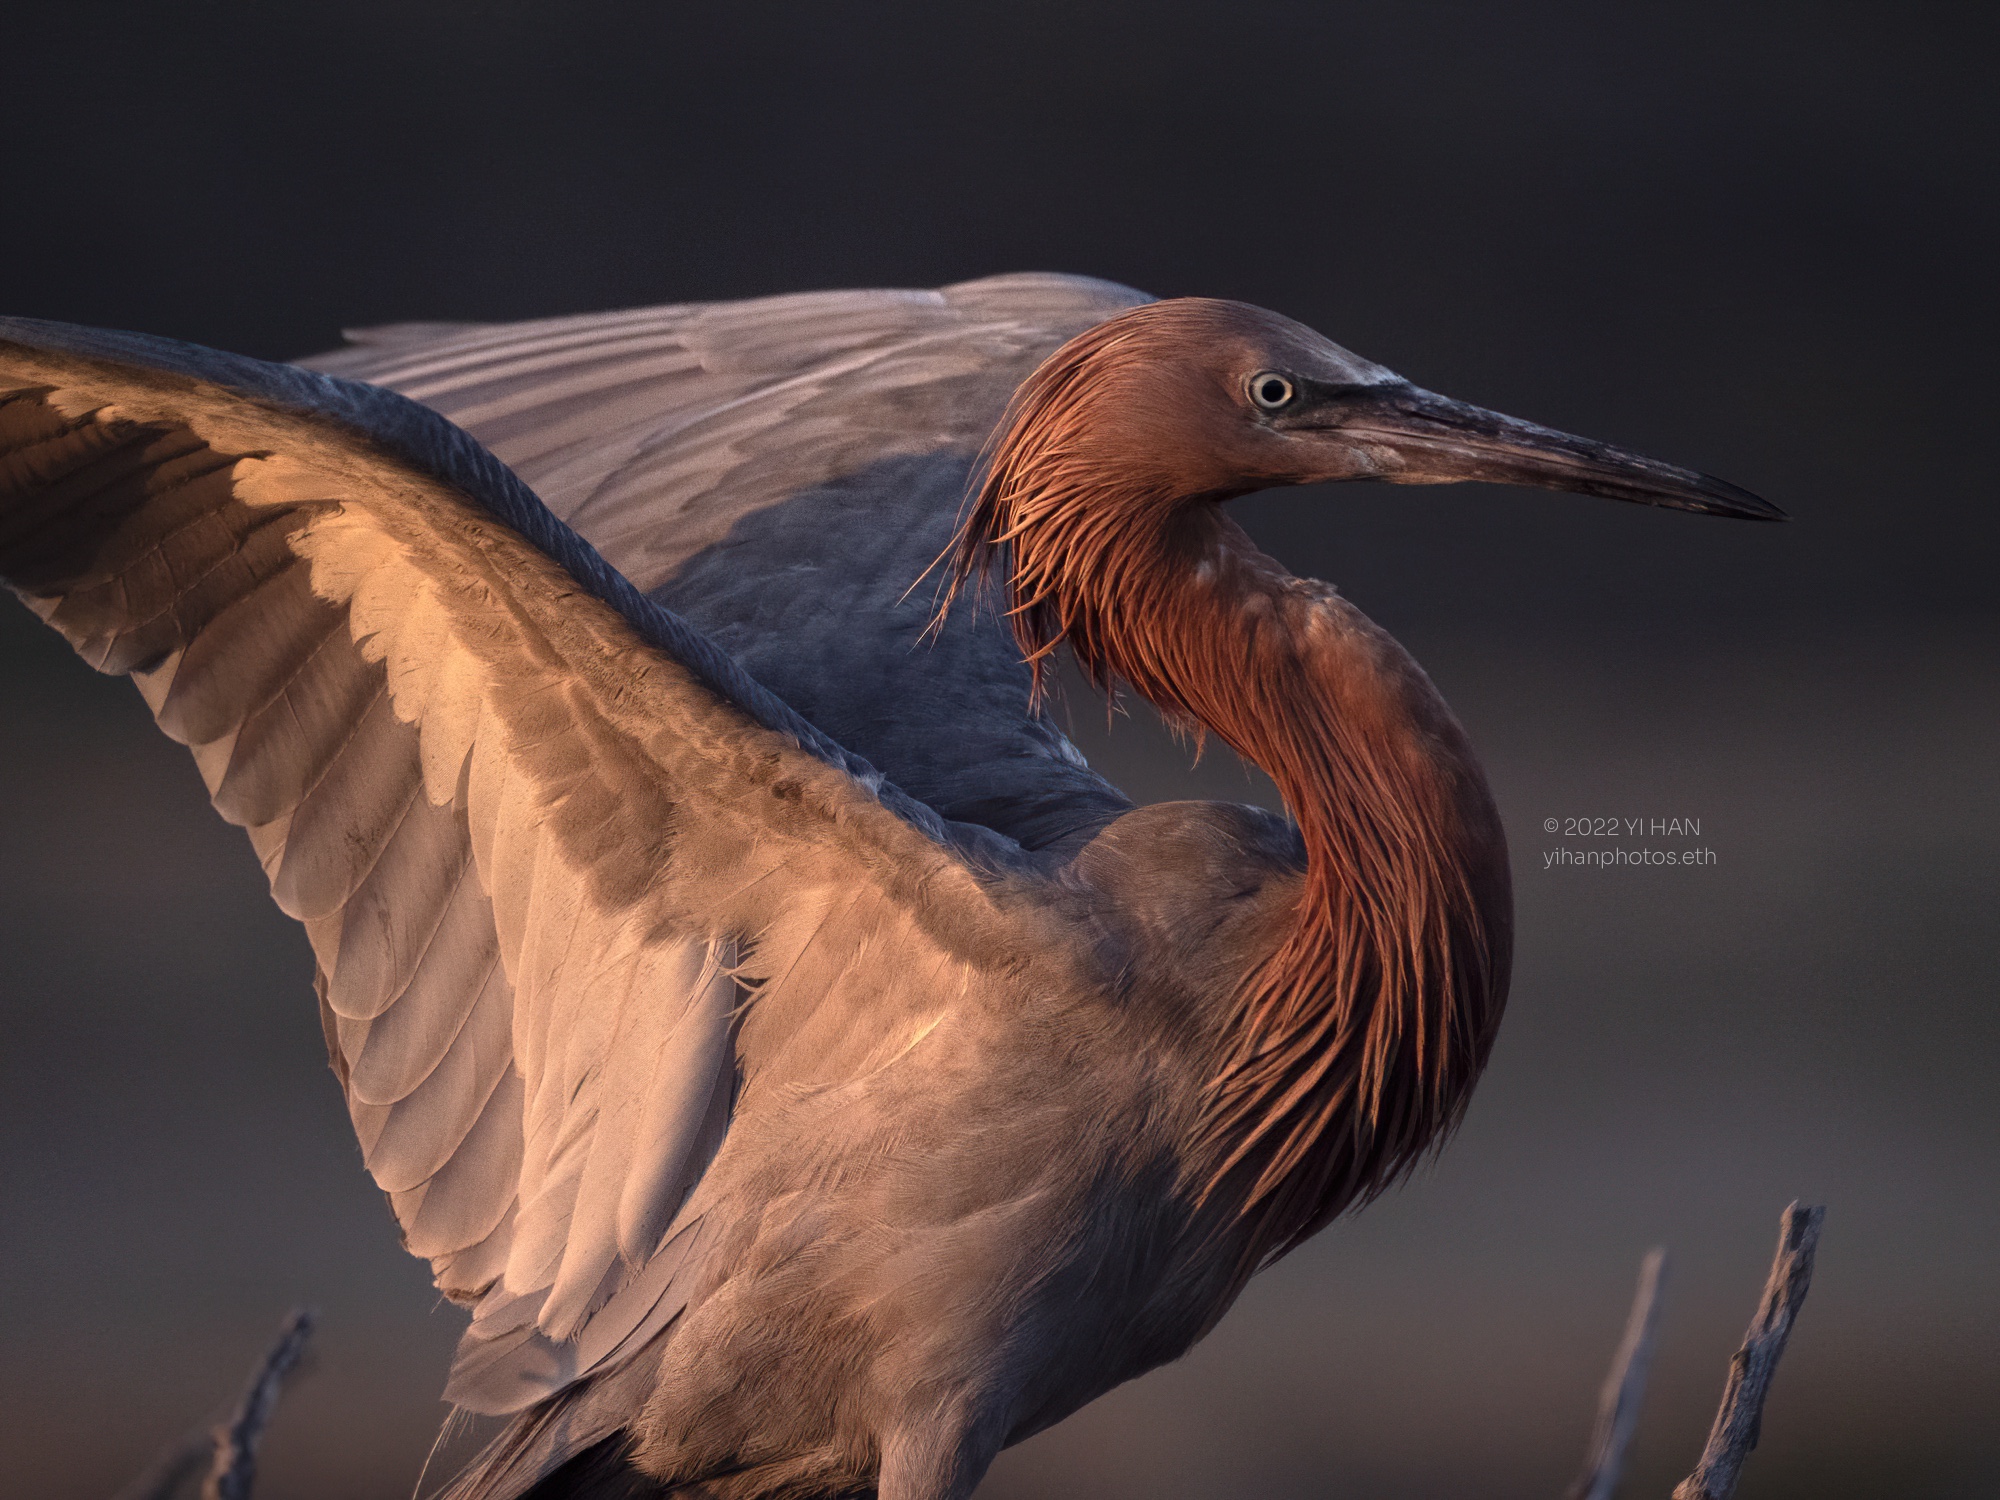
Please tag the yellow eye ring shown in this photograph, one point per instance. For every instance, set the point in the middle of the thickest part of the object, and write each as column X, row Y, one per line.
column 1270, row 391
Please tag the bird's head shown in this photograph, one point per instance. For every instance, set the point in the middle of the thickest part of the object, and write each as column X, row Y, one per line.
column 1144, row 419
column 1195, row 398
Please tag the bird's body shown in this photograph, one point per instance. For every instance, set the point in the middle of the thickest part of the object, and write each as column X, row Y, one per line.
column 973, row 1226
column 813, row 1076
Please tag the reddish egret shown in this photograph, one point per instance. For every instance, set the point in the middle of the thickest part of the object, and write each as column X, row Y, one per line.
column 812, row 1076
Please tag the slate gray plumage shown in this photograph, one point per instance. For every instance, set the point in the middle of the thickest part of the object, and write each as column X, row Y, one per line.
column 767, row 468
column 599, row 913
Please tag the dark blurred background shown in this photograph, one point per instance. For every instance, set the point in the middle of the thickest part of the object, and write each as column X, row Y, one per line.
column 1753, row 238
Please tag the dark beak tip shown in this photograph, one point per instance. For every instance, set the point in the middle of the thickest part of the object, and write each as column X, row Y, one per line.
column 1741, row 505
column 1446, row 441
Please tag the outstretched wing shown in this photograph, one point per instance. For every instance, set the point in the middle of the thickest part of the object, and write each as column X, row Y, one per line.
column 543, row 835
column 780, row 472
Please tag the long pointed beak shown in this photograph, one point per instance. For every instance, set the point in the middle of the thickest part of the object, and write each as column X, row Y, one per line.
column 1406, row 435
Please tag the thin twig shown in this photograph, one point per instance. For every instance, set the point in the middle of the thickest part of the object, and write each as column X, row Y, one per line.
column 1624, row 1388
column 235, row 1468
column 1742, row 1414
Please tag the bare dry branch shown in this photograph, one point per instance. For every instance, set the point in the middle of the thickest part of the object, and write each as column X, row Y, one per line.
column 1624, row 1387
column 234, row 1469
column 1750, row 1371
column 229, row 1449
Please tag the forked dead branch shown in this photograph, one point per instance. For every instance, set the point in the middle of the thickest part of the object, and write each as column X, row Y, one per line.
column 1741, row 1416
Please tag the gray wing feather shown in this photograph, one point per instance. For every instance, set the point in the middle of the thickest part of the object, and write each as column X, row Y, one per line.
column 781, row 472
column 543, row 835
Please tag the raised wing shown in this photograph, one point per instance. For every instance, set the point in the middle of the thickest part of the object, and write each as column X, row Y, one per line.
column 572, row 879
column 780, row 472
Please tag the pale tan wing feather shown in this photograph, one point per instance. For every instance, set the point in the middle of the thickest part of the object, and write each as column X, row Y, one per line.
column 540, row 838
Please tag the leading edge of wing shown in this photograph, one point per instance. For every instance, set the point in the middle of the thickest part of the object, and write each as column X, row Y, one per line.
column 420, row 438
column 859, row 315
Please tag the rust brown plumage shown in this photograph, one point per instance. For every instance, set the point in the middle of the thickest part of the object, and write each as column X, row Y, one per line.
column 1358, row 1038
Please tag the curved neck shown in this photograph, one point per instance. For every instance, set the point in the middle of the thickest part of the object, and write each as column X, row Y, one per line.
column 1353, row 1045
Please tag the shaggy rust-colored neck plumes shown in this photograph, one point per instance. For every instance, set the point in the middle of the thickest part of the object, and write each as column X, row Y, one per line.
column 1354, row 1045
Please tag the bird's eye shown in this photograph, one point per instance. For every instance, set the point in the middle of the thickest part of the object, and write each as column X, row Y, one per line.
column 1271, row 391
